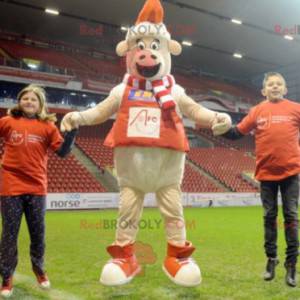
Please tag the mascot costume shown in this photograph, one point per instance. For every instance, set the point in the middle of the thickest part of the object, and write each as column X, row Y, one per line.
column 150, row 146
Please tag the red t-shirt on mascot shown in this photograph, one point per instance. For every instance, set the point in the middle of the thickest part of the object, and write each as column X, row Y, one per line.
column 141, row 122
column 277, row 138
column 24, row 163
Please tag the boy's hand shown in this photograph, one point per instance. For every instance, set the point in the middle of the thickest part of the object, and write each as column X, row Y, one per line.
column 71, row 121
column 221, row 124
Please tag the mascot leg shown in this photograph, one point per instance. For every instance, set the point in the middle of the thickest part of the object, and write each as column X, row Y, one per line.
column 178, row 265
column 123, row 266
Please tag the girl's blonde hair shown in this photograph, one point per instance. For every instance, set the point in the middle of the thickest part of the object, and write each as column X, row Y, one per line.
column 43, row 113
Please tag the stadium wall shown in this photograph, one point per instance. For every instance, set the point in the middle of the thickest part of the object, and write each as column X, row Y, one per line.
column 74, row 201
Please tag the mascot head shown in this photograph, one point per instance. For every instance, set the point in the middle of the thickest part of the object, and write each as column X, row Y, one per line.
column 148, row 45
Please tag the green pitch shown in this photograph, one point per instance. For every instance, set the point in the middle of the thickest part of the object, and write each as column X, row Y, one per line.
column 229, row 252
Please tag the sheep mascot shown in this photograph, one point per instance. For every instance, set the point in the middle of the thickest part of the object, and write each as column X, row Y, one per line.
column 149, row 145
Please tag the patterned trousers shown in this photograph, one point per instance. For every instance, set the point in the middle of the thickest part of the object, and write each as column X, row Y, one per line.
column 12, row 209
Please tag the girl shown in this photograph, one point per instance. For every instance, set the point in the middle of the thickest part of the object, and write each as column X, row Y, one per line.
column 29, row 131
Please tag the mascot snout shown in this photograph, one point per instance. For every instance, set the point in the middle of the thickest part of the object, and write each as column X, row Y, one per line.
column 147, row 64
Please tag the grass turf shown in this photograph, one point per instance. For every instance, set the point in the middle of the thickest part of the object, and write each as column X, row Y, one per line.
column 229, row 251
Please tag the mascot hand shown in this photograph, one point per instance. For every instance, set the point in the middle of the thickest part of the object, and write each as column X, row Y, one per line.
column 71, row 121
column 221, row 124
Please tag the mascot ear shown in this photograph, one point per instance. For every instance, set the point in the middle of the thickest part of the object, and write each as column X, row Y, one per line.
column 174, row 47
column 122, row 48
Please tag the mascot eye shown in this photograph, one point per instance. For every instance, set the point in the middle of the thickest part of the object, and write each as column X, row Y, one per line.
column 155, row 45
column 141, row 45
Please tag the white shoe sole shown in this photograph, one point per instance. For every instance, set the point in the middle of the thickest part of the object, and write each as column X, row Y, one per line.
column 177, row 281
column 127, row 280
column 45, row 285
column 6, row 294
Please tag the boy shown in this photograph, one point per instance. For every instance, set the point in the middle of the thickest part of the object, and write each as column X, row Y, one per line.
column 276, row 122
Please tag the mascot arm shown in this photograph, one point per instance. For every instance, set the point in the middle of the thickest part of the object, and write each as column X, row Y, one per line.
column 101, row 112
column 202, row 116
column 96, row 115
column 206, row 118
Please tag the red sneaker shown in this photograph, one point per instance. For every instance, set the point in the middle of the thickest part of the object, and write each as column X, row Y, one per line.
column 42, row 279
column 180, row 267
column 7, row 287
column 123, row 266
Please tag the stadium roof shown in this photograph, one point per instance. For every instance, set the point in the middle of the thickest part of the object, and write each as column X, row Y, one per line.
column 205, row 23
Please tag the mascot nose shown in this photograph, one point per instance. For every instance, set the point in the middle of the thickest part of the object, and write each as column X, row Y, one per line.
column 146, row 56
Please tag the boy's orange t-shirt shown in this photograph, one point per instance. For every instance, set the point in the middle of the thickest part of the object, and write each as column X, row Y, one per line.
column 276, row 128
column 24, row 162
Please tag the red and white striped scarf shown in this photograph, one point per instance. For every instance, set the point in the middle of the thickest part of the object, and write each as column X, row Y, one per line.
column 159, row 87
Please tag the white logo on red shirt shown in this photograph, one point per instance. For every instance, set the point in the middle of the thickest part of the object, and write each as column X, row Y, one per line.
column 264, row 122
column 16, row 138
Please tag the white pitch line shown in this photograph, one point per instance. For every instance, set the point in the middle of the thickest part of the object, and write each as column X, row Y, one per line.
column 52, row 293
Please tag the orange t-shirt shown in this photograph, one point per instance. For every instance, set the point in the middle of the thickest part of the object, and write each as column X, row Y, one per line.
column 24, row 163
column 276, row 128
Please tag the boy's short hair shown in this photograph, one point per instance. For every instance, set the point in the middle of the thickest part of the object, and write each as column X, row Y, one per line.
column 271, row 74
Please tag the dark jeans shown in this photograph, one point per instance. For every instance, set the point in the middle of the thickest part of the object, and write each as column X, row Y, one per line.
column 289, row 189
column 12, row 209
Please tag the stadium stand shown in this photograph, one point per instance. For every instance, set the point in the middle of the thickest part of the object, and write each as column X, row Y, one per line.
column 86, row 67
column 2, row 58
column 226, row 165
column 60, row 65
column 195, row 182
column 246, row 143
column 53, row 58
column 99, row 66
column 71, row 179
column 101, row 155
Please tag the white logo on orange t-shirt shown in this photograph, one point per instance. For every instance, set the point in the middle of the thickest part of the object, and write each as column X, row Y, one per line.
column 144, row 122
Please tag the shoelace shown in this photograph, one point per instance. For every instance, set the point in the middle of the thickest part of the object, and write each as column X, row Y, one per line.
column 185, row 260
column 118, row 260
